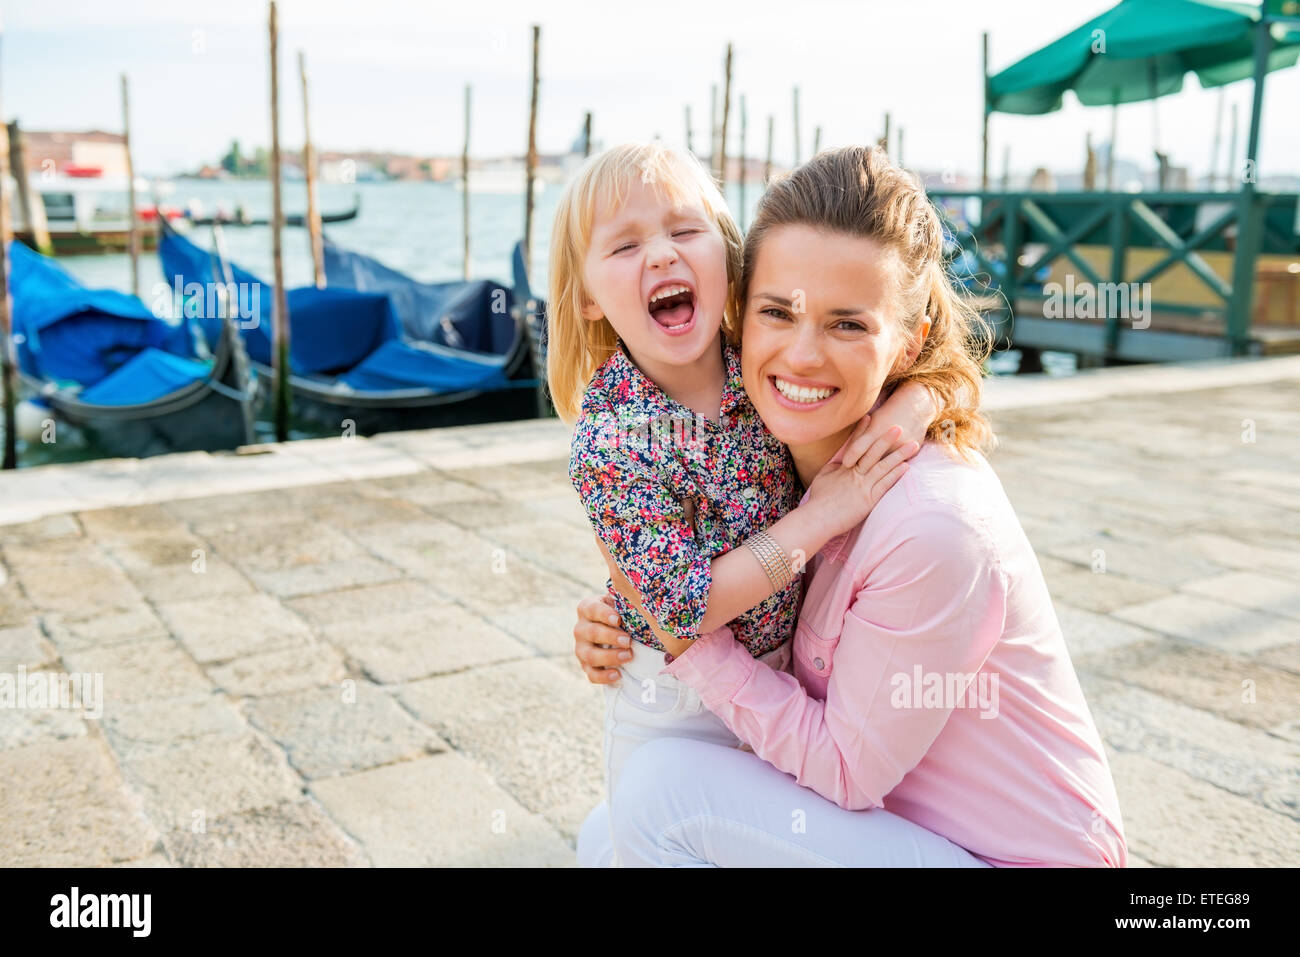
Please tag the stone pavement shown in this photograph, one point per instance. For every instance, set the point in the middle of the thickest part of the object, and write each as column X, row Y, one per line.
column 353, row 652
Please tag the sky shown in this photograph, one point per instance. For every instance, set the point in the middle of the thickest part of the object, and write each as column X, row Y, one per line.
column 390, row 75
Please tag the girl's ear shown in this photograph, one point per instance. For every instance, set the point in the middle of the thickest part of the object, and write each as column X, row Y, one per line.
column 591, row 311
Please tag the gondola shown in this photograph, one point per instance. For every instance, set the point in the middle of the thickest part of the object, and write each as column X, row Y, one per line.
column 137, row 384
column 375, row 351
column 241, row 218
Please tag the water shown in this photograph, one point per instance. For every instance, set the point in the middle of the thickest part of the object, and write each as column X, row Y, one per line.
column 412, row 227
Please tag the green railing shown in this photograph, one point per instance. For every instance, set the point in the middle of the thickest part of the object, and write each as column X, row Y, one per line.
column 1013, row 235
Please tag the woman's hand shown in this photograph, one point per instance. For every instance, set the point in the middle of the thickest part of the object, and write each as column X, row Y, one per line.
column 846, row 494
column 597, row 642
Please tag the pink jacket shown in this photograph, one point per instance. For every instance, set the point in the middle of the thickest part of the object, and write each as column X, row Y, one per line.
column 931, row 679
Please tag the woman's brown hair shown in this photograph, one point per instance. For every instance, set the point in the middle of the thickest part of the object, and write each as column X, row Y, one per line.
column 855, row 190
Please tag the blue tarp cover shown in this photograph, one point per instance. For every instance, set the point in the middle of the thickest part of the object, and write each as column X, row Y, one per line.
column 472, row 316
column 150, row 375
column 354, row 329
column 331, row 330
column 73, row 335
column 398, row 365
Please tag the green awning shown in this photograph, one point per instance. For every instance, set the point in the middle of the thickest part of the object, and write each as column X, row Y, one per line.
column 1140, row 50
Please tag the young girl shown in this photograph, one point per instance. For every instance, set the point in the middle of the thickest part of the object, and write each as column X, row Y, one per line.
column 669, row 458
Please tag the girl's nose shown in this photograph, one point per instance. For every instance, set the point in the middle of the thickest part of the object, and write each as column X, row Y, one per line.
column 661, row 252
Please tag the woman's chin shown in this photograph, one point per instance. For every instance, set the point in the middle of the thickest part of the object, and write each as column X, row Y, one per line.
column 796, row 432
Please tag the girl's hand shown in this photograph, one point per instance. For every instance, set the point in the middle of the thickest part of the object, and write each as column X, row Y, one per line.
column 845, row 495
column 911, row 407
column 598, row 644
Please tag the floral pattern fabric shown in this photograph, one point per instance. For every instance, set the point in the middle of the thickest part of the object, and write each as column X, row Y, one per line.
column 638, row 456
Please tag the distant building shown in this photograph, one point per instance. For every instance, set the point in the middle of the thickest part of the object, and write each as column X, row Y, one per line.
column 55, row 152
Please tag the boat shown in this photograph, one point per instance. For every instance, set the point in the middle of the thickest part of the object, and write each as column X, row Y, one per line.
column 375, row 351
column 85, row 211
column 241, row 218
column 137, row 384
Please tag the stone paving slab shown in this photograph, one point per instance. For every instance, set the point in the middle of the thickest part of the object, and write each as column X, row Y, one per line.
column 438, row 811
column 504, row 716
column 441, row 638
column 1174, row 819
column 331, row 731
column 291, row 834
column 63, row 803
column 356, row 652
column 210, row 778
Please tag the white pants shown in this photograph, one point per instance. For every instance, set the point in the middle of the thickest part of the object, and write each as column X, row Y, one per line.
column 646, row 705
column 684, row 803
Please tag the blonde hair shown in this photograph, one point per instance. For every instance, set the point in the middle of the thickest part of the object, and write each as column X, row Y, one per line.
column 855, row 190
column 577, row 347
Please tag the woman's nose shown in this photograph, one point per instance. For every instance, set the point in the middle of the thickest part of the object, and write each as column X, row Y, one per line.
column 803, row 349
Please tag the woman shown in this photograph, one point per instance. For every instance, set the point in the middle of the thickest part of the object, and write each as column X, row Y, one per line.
column 932, row 707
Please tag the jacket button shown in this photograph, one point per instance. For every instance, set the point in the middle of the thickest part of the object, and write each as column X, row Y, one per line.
column 818, row 664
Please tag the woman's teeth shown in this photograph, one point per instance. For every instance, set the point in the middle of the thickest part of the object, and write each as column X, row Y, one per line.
column 799, row 393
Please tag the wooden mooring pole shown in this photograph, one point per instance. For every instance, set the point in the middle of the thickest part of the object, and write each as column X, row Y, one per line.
column 309, row 171
column 744, row 122
column 33, row 212
column 8, row 358
column 279, row 302
column 531, row 162
column 464, row 183
column 133, row 228
column 798, row 156
column 726, row 121
column 984, row 136
column 767, row 162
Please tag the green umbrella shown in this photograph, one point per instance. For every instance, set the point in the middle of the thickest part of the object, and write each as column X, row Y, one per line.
column 1140, row 50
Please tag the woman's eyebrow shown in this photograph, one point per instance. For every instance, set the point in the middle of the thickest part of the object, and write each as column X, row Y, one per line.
column 837, row 313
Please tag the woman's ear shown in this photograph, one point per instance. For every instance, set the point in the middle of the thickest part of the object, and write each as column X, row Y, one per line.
column 917, row 343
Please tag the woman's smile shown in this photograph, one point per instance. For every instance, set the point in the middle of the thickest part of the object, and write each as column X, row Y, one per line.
column 801, row 396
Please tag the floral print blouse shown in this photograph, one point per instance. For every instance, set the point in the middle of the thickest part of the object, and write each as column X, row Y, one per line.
column 638, row 455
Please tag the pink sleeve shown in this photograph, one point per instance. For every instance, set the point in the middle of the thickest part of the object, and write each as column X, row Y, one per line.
column 936, row 601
